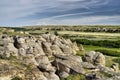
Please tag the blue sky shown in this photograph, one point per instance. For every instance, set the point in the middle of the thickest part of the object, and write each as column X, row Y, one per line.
column 53, row 12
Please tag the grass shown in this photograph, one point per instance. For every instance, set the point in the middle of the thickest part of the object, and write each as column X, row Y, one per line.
column 75, row 34
column 91, row 35
column 111, row 57
column 117, row 60
column 17, row 78
column 90, row 48
column 104, row 50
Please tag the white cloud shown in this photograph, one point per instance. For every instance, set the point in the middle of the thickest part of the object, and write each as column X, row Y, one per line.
column 84, row 20
column 20, row 8
column 12, row 10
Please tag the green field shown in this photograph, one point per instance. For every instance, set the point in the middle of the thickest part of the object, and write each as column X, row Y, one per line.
column 109, row 59
column 89, row 48
column 83, row 35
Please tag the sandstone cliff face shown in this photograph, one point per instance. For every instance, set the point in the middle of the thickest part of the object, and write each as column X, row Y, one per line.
column 49, row 57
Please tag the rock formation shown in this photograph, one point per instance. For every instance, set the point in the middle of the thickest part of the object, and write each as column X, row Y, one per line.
column 35, row 51
column 49, row 57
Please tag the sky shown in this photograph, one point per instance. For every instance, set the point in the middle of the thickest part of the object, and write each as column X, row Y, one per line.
column 59, row 12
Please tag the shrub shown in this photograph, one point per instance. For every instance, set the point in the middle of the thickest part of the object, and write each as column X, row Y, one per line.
column 109, row 52
column 103, row 43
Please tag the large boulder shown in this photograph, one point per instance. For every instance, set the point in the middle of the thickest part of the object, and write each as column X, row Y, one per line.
column 11, row 50
column 56, row 49
column 46, row 47
column 62, row 62
column 115, row 67
column 95, row 58
column 87, row 65
column 51, row 76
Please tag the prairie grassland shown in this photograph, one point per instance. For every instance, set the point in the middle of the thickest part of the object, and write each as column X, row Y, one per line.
column 89, row 33
column 86, row 35
column 109, row 59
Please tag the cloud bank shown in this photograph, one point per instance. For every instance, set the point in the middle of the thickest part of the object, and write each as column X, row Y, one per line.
column 34, row 12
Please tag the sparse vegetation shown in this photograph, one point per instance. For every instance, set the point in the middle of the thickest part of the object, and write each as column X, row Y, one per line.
column 109, row 52
column 17, row 78
column 102, row 43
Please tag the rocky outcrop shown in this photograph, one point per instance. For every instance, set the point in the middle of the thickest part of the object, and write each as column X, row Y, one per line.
column 36, row 51
column 50, row 57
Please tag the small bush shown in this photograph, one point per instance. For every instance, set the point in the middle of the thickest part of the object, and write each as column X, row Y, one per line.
column 102, row 43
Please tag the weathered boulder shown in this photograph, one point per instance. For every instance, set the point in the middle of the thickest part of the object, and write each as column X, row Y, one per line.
column 71, row 62
column 81, row 47
column 35, row 74
column 46, row 47
column 51, row 76
column 29, row 59
column 11, row 50
column 19, row 42
column 56, row 49
column 93, row 76
column 63, row 74
column 87, row 65
column 115, row 67
column 95, row 58
column 107, row 70
column 67, row 50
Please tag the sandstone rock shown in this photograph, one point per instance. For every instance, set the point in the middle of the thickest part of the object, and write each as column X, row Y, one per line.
column 36, row 75
column 33, row 52
column 75, row 47
column 22, row 52
column 42, row 59
column 29, row 50
column 81, row 48
column 107, row 70
column 42, row 39
column 70, row 62
column 56, row 49
column 46, row 37
column 38, row 49
column 11, row 50
column 115, row 67
column 88, row 65
column 19, row 42
column 95, row 58
column 99, row 59
column 51, row 76
column 88, row 57
column 52, row 38
column 29, row 60
column 93, row 76
column 63, row 74
column 47, row 49
column 66, row 49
